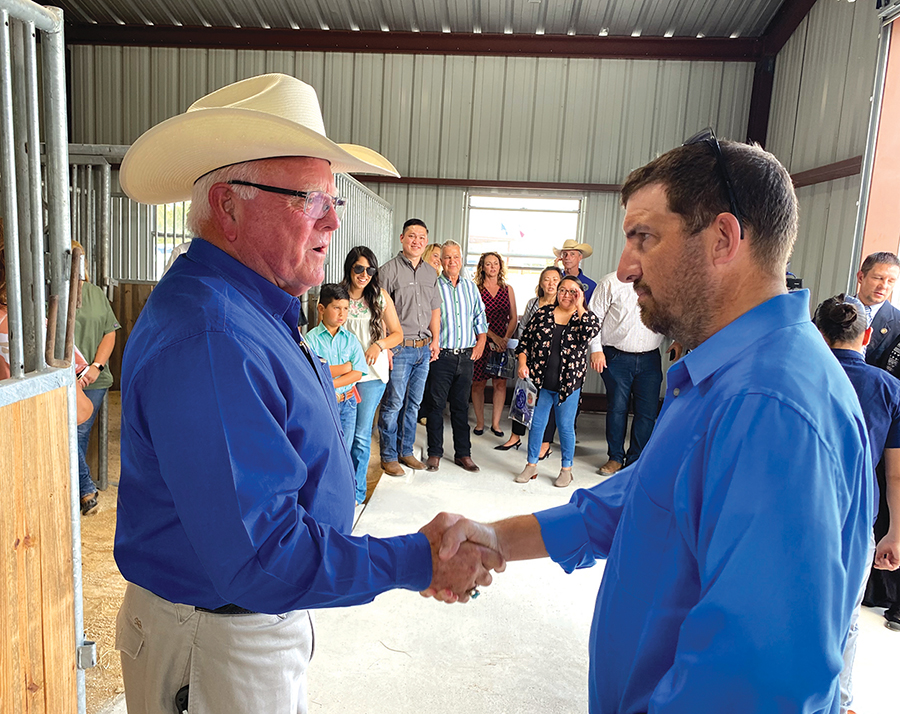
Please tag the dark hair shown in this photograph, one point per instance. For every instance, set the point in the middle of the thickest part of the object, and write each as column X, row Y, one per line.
column 882, row 257
column 695, row 191
column 539, row 291
column 571, row 279
column 414, row 222
column 840, row 319
column 330, row 292
column 371, row 293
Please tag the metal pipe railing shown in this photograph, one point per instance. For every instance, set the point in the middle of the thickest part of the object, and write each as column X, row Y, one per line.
column 35, row 194
column 54, row 85
column 9, row 208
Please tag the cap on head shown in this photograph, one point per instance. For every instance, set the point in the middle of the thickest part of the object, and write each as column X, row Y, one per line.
column 263, row 117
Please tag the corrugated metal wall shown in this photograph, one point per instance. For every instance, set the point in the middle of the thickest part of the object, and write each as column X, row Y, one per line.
column 523, row 119
column 824, row 78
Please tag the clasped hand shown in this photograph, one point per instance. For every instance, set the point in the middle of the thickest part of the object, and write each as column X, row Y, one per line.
column 463, row 554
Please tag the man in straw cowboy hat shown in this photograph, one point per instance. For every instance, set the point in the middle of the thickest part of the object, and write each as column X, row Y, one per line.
column 569, row 257
column 236, row 493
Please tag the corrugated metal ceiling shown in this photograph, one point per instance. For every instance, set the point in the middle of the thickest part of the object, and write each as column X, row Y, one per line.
column 644, row 18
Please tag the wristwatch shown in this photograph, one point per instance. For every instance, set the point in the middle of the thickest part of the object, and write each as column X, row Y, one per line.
column 99, row 366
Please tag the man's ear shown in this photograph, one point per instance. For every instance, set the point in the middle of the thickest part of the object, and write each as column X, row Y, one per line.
column 726, row 238
column 223, row 207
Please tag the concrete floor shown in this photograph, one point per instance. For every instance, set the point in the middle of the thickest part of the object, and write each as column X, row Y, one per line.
column 522, row 646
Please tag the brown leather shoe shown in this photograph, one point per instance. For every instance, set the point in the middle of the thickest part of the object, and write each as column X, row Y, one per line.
column 412, row 462
column 466, row 463
column 392, row 468
column 433, row 463
column 610, row 467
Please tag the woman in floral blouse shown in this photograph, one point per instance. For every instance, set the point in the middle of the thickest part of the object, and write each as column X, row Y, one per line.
column 554, row 353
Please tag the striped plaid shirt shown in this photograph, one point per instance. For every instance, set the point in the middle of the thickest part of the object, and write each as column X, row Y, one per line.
column 462, row 313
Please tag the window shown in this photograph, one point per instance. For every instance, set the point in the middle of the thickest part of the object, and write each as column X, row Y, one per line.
column 524, row 230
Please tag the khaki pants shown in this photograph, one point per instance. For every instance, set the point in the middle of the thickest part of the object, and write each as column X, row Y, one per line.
column 240, row 664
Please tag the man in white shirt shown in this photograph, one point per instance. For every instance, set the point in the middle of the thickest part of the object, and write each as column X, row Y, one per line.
column 626, row 354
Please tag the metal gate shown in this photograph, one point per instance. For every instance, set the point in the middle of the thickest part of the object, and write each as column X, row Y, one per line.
column 40, row 606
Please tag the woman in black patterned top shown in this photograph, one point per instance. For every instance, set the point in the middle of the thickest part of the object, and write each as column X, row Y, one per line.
column 554, row 353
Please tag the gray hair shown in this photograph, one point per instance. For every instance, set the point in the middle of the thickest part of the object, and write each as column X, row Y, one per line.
column 200, row 215
column 451, row 244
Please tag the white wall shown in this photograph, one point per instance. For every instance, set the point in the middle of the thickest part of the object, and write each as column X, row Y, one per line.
column 824, row 79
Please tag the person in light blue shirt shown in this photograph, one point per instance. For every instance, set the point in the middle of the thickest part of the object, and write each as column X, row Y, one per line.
column 736, row 544
column 463, row 335
column 341, row 350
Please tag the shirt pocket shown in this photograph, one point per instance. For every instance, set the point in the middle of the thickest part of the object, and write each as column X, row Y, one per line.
column 643, row 551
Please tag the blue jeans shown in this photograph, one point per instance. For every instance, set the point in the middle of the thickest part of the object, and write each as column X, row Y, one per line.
column 370, row 393
column 347, row 413
column 627, row 373
column 402, row 397
column 565, row 423
column 86, row 485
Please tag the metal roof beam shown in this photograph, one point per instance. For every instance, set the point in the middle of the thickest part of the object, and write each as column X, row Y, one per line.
column 705, row 49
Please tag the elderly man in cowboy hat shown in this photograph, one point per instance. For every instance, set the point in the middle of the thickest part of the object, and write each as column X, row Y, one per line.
column 237, row 491
column 569, row 257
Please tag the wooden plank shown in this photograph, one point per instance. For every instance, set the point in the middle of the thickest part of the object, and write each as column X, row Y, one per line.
column 11, row 693
column 37, row 616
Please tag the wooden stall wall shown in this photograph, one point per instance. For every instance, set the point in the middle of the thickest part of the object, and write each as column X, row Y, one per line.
column 128, row 301
column 37, row 629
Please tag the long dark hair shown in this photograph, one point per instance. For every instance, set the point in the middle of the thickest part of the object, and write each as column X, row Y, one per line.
column 371, row 293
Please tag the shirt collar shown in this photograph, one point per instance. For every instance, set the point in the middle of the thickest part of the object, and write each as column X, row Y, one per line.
column 252, row 285
column 741, row 334
column 449, row 282
column 848, row 356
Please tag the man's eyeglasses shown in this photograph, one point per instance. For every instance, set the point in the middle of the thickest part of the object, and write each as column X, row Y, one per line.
column 316, row 205
column 360, row 269
column 708, row 137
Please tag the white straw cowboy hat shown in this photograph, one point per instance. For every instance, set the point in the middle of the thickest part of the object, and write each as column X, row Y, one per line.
column 570, row 244
column 261, row 117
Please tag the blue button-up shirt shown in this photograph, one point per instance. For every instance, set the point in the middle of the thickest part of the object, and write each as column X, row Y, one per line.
column 338, row 349
column 462, row 313
column 737, row 542
column 879, row 397
column 236, row 486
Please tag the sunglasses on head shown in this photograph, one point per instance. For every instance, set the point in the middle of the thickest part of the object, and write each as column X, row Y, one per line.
column 708, row 137
column 360, row 269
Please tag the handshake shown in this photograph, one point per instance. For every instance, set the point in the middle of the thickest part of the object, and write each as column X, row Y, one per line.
column 463, row 554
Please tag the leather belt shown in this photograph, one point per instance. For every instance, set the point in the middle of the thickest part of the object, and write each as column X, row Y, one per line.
column 227, row 610
column 344, row 396
column 414, row 343
column 461, row 351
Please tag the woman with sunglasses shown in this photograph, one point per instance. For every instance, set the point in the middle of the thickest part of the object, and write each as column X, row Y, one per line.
column 373, row 319
column 554, row 353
